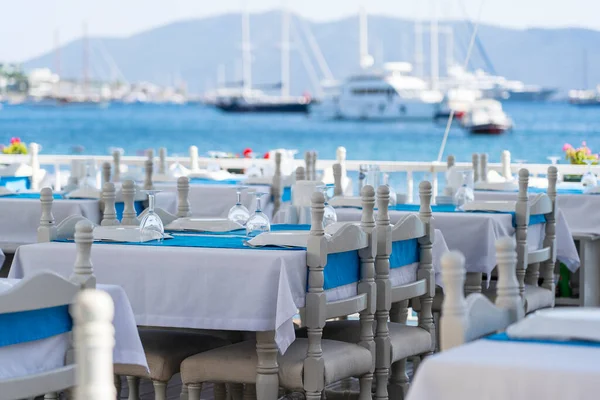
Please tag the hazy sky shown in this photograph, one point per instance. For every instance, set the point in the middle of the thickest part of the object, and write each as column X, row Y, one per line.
column 27, row 26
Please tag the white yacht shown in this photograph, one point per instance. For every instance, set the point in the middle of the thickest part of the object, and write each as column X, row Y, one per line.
column 387, row 94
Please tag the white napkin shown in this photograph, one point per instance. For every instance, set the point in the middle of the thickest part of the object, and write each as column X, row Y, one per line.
column 300, row 238
column 559, row 324
column 204, row 225
column 346, row 201
column 498, row 206
column 125, row 234
column 219, row 175
column 258, row 180
column 86, row 192
column 497, row 186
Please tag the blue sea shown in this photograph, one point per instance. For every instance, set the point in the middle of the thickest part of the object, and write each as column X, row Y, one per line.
column 540, row 131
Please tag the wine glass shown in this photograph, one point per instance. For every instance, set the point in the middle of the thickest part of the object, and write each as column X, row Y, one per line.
column 589, row 179
column 176, row 169
column 258, row 222
column 464, row 194
column 329, row 214
column 554, row 161
column 151, row 226
column 239, row 213
column 393, row 195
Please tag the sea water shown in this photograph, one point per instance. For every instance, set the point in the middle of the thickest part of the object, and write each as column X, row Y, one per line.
column 540, row 130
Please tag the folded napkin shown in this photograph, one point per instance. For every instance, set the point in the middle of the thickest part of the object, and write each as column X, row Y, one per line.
column 126, row 234
column 495, row 206
column 204, row 225
column 346, row 201
column 219, row 175
column 300, row 238
column 86, row 192
column 497, row 186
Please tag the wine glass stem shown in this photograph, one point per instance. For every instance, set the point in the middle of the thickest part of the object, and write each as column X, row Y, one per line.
column 151, row 203
column 239, row 197
column 258, row 207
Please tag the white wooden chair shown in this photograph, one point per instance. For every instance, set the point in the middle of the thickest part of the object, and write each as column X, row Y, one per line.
column 109, row 196
column 395, row 340
column 308, row 364
column 300, row 174
column 533, row 264
column 106, row 171
column 464, row 320
column 129, row 214
column 277, row 184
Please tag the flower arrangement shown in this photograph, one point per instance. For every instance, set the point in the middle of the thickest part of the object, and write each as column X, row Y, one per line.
column 15, row 147
column 579, row 155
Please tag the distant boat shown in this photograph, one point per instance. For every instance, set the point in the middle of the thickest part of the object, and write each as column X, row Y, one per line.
column 585, row 97
column 486, row 117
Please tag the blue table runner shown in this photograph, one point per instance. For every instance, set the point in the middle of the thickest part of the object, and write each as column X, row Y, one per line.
column 15, row 183
column 35, row 196
column 503, row 337
column 27, row 326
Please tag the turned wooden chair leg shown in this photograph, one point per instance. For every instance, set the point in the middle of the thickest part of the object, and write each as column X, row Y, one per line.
column 133, row 383
column 194, row 390
column 366, row 384
column 118, row 385
column 160, row 390
column 398, row 382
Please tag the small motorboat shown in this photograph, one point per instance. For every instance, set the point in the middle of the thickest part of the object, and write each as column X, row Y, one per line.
column 486, row 117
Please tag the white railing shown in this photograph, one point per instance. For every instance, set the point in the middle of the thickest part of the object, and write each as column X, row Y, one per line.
column 410, row 168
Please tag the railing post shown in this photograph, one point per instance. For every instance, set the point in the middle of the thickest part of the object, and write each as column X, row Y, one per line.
column 57, row 177
column 434, row 182
column 34, row 150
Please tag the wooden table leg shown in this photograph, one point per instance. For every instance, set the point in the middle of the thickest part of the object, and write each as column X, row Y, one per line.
column 589, row 272
column 267, row 379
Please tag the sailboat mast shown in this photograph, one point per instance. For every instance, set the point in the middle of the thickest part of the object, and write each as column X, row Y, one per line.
column 418, row 56
column 85, row 60
column 246, row 55
column 449, row 48
column 434, row 46
column 363, row 41
column 285, row 50
column 56, row 52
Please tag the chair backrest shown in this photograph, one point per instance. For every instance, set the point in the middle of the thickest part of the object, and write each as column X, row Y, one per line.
column 183, row 197
column 300, row 174
column 116, row 166
column 94, row 337
column 109, row 217
column 276, row 185
column 547, row 270
column 506, row 173
column 313, row 167
column 338, row 190
column 148, row 171
column 349, row 238
column 483, row 159
column 105, row 173
column 475, row 162
column 47, row 230
column 162, row 161
column 49, row 292
column 464, row 320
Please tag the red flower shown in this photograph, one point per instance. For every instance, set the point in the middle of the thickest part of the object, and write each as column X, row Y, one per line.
column 15, row 140
column 266, row 156
column 247, row 152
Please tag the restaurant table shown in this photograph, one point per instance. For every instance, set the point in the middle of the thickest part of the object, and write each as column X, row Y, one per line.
column 506, row 369
column 20, row 215
column 475, row 234
column 198, row 287
column 214, row 199
column 37, row 356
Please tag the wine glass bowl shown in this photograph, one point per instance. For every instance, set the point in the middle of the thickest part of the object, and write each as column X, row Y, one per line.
column 258, row 221
column 554, row 161
column 239, row 213
column 464, row 194
column 589, row 180
column 151, row 226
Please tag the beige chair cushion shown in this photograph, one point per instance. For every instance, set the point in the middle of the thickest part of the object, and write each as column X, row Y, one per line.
column 536, row 297
column 237, row 363
column 406, row 341
column 166, row 349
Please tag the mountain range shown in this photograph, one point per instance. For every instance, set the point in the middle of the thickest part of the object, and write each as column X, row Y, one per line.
column 192, row 51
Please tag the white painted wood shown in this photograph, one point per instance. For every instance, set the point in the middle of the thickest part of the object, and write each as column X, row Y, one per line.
column 484, row 167
column 313, row 167
column 105, row 173
column 162, row 161
column 116, row 166
column 94, row 336
column 41, row 290
column 409, row 291
column 506, row 171
column 547, row 266
column 83, row 270
column 345, row 307
column 300, row 175
column 129, row 214
column 522, row 220
column 34, row 150
column 475, row 163
column 109, row 217
column 183, row 197
column 463, row 319
column 148, row 170
column 194, row 162
column 47, row 230
column 338, row 190
column 276, row 186
column 308, row 165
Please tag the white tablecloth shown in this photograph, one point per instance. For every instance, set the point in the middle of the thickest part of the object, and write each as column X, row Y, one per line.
column 475, row 235
column 201, row 288
column 215, row 200
column 492, row 370
column 46, row 354
column 579, row 210
column 21, row 218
